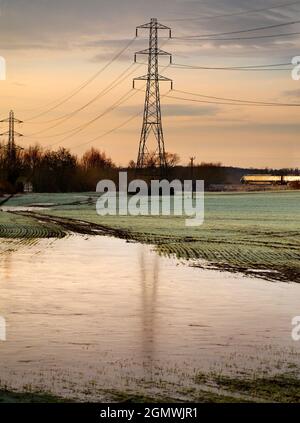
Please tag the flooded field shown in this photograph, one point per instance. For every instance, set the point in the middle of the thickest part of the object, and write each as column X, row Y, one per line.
column 242, row 232
column 97, row 317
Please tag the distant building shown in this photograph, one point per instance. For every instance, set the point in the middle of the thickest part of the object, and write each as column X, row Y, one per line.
column 24, row 184
column 28, row 187
column 270, row 179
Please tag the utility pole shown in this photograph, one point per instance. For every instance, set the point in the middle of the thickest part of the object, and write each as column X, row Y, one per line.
column 152, row 121
column 192, row 159
column 11, row 147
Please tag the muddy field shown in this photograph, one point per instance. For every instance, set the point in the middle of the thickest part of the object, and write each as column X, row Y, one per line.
column 254, row 233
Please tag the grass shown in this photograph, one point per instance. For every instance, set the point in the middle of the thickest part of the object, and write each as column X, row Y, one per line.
column 114, row 396
column 20, row 227
column 198, row 396
column 245, row 232
column 208, row 388
column 17, row 397
column 280, row 388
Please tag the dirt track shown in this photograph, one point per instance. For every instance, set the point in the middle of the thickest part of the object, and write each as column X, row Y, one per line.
column 75, row 225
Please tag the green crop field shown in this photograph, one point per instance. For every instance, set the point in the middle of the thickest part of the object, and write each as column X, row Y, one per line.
column 19, row 227
column 246, row 232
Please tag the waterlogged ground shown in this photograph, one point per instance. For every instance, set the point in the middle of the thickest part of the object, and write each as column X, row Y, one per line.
column 98, row 318
column 253, row 233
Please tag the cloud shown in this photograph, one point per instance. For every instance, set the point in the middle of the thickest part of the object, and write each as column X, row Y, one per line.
column 66, row 23
column 292, row 93
column 284, row 129
column 108, row 48
column 187, row 110
column 175, row 110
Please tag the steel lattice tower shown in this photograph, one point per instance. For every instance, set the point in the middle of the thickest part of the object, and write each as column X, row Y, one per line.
column 11, row 147
column 152, row 121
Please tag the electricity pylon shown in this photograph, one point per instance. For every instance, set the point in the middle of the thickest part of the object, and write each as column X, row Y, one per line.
column 152, row 121
column 11, row 147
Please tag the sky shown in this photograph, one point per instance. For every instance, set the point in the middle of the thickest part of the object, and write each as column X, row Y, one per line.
column 53, row 47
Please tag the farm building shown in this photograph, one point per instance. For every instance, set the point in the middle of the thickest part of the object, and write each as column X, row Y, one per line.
column 270, row 179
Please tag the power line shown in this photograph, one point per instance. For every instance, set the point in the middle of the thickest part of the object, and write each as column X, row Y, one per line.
column 90, row 122
column 248, row 67
column 85, row 84
column 110, row 131
column 115, row 128
column 267, row 67
column 207, row 102
column 118, row 126
column 253, row 68
column 261, row 28
column 266, row 103
column 75, row 131
column 233, row 67
column 241, row 38
column 102, row 93
column 232, row 102
column 113, row 107
column 243, row 12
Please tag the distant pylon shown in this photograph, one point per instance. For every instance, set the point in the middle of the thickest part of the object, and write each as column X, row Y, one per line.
column 11, row 147
column 152, row 121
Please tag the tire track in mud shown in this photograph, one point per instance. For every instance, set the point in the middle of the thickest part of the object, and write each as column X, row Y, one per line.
column 64, row 225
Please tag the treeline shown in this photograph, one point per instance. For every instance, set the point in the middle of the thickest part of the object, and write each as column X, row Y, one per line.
column 62, row 171
column 53, row 171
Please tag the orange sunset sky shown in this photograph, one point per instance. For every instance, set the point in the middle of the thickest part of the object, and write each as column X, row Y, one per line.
column 53, row 47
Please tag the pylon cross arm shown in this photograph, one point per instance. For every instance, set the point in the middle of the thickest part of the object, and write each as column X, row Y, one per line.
column 153, row 78
column 15, row 133
column 149, row 25
column 8, row 120
column 164, row 78
column 158, row 25
column 152, row 51
column 157, row 78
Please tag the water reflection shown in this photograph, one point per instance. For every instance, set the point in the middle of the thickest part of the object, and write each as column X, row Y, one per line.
column 7, row 265
column 102, row 309
column 149, row 267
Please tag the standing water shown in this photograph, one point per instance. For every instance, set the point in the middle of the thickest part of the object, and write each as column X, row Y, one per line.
column 88, row 314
